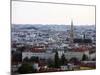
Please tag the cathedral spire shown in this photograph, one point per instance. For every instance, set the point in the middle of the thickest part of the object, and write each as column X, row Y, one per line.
column 71, row 32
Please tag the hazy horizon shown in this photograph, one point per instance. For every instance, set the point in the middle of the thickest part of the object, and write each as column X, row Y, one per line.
column 46, row 14
column 52, row 24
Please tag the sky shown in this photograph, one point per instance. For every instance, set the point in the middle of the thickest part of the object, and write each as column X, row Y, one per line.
column 45, row 13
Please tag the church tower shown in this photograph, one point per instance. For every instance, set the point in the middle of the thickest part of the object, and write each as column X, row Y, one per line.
column 71, row 33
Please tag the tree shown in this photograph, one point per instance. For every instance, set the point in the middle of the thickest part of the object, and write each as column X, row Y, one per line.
column 26, row 68
column 63, row 59
column 26, row 59
column 50, row 63
column 74, row 60
column 17, row 56
column 85, row 57
column 34, row 59
column 21, row 49
column 56, row 60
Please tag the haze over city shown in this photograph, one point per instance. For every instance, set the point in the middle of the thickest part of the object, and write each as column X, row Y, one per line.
column 26, row 13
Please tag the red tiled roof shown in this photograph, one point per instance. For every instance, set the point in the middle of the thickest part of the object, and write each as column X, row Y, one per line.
column 38, row 49
column 88, row 64
column 80, row 49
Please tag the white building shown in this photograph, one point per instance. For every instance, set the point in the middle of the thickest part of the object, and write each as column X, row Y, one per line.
column 41, row 55
column 65, row 67
column 51, row 55
column 70, row 54
column 36, row 66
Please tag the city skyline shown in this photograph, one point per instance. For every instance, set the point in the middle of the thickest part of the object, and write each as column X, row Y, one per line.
column 22, row 13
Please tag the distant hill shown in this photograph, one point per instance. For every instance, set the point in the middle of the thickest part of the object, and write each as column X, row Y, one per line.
column 51, row 27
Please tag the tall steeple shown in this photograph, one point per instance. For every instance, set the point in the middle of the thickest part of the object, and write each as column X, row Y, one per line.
column 71, row 32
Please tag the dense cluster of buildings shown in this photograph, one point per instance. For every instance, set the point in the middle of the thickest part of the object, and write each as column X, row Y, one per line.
column 44, row 45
